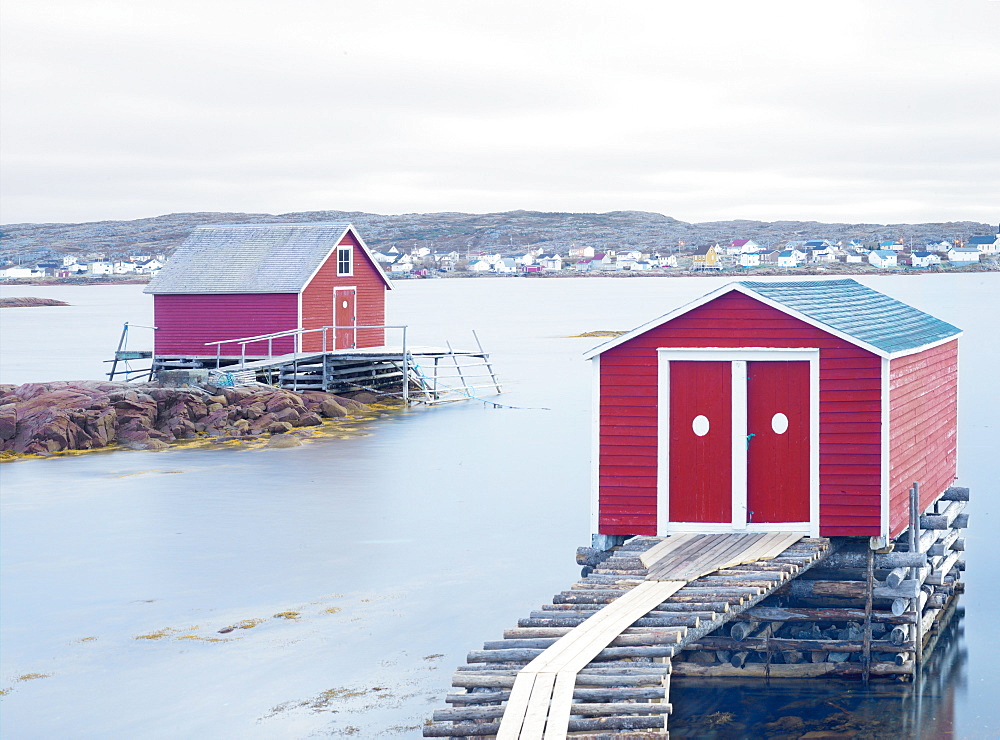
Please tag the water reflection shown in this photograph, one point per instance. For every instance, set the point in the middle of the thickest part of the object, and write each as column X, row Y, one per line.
column 826, row 709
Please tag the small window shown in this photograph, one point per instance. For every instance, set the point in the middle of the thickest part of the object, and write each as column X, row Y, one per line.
column 344, row 260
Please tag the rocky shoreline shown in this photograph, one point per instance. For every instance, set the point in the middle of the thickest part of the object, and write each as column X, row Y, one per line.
column 29, row 302
column 47, row 418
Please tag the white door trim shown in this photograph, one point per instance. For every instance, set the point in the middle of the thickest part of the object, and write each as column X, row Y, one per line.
column 738, row 357
column 353, row 289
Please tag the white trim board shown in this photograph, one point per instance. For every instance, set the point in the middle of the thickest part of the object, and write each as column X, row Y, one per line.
column 738, row 357
column 595, row 446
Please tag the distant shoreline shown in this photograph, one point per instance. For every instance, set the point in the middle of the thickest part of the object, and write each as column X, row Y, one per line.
column 828, row 270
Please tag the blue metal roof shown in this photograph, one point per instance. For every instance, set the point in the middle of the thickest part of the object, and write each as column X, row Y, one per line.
column 853, row 309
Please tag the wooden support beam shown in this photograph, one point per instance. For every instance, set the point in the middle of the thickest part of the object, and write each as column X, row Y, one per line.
column 784, row 643
column 801, row 588
column 796, row 670
column 956, row 493
column 817, row 614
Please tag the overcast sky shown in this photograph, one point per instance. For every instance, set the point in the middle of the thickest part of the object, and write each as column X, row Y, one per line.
column 878, row 111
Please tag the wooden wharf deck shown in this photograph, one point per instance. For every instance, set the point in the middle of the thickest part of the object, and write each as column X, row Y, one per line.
column 436, row 374
column 596, row 661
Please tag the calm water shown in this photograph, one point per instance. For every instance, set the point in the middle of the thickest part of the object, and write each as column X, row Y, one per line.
column 392, row 553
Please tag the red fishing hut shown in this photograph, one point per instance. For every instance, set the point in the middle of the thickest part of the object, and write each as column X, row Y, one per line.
column 238, row 281
column 807, row 406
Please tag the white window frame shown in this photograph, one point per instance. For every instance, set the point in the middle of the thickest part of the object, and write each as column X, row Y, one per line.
column 350, row 260
column 738, row 358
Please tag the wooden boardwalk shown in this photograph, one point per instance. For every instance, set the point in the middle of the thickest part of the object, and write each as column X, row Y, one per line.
column 597, row 660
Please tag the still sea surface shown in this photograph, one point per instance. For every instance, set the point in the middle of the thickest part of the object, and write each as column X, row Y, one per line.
column 392, row 552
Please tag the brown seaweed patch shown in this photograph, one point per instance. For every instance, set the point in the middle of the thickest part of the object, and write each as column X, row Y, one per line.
column 32, row 676
column 598, row 333
column 324, row 701
column 288, row 615
column 166, row 632
column 151, row 472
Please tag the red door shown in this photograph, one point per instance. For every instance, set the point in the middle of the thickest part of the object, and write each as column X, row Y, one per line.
column 701, row 419
column 777, row 442
column 345, row 318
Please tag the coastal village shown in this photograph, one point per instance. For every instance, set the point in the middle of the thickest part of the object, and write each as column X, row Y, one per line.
column 741, row 255
column 823, row 544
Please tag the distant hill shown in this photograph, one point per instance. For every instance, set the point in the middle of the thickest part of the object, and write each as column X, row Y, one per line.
column 509, row 232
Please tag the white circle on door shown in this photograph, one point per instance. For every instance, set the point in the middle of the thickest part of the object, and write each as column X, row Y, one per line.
column 779, row 423
column 699, row 425
column 344, row 304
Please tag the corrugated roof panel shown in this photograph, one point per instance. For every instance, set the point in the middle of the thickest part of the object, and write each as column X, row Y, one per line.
column 858, row 311
column 248, row 258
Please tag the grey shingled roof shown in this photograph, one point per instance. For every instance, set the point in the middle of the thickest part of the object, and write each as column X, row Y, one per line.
column 858, row 311
column 248, row 258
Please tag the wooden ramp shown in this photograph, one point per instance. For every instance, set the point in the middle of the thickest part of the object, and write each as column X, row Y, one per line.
column 597, row 658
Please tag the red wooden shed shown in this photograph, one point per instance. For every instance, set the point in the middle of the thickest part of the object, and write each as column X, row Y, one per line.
column 805, row 406
column 236, row 281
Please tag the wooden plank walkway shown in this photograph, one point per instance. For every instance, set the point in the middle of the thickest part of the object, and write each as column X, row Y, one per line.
column 617, row 629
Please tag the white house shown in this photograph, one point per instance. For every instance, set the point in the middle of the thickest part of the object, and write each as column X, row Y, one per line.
column 550, row 261
column 480, row 266
column 750, row 259
column 890, row 245
column 581, row 252
column 789, row 258
column 123, row 268
column 526, row 259
column 603, row 261
column 963, row 255
column 505, row 266
column 855, row 256
column 660, row 261
column 924, row 259
column 882, row 258
column 822, row 254
column 100, row 268
column 19, row 272
column 742, row 246
column 986, row 244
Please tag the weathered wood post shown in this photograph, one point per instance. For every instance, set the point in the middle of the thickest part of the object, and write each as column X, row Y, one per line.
column 866, row 652
column 914, row 539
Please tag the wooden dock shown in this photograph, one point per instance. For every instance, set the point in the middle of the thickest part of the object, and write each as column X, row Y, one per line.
column 436, row 374
column 597, row 660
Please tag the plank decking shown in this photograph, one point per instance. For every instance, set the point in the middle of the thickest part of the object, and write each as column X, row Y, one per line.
column 597, row 660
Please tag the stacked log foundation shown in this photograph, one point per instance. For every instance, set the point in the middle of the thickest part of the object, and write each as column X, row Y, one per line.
column 830, row 622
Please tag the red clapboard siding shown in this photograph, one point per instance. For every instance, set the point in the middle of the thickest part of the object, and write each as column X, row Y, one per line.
column 850, row 413
column 317, row 298
column 185, row 322
column 923, row 413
